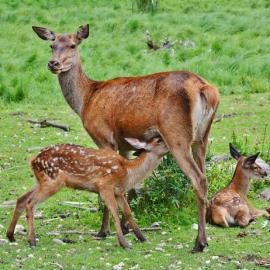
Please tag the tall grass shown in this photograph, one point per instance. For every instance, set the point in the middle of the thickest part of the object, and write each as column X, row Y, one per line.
column 232, row 43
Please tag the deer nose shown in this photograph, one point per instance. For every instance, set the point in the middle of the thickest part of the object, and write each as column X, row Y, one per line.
column 53, row 64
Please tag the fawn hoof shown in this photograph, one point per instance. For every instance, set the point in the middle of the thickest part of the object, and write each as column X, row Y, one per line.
column 199, row 246
column 103, row 234
column 142, row 238
column 10, row 237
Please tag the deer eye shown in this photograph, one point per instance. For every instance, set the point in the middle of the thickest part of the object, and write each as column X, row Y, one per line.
column 72, row 46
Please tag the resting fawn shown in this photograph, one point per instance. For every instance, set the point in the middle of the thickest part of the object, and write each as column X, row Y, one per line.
column 102, row 171
column 230, row 206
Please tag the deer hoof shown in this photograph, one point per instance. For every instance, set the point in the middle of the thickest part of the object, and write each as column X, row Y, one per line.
column 199, row 246
column 10, row 237
column 32, row 244
column 103, row 234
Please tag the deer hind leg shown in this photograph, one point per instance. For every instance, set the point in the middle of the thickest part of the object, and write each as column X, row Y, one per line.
column 180, row 146
column 44, row 190
column 127, row 212
column 20, row 206
column 243, row 217
column 110, row 201
column 219, row 216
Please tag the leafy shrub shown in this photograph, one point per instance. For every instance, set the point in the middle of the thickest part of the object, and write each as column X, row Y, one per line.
column 166, row 189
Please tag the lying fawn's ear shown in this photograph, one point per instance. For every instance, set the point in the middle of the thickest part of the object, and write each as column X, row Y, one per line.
column 136, row 143
column 250, row 160
column 44, row 33
column 83, row 32
column 234, row 153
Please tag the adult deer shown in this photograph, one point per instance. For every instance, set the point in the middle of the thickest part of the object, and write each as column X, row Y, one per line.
column 230, row 206
column 179, row 106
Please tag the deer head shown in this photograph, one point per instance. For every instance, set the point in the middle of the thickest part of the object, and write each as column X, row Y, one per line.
column 64, row 47
column 155, row 146
column 248, row 165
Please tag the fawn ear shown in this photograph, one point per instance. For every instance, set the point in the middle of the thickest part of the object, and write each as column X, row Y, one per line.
column 83, row 32
column 136, row 143
column 250, row 160
column 44, row 33
column 234, row 153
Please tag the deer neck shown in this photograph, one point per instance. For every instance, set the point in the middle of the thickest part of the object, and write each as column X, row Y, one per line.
column 138, row 169
column 240, row 182
column 75, row 85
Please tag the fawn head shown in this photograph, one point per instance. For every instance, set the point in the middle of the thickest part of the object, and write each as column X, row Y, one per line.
column 64, row 47
column 248, row 165
column 155, row 146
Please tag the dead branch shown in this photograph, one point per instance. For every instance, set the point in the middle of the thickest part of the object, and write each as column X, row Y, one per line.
column 77, row 205
column 45, row 123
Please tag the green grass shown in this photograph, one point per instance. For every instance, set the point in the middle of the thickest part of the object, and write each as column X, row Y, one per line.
column 15, row 178
column 232, row 41
column 232, row 51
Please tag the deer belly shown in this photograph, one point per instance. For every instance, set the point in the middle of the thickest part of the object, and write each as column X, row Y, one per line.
column 77, row 183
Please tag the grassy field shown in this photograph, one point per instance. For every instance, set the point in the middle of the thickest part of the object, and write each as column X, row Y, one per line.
column 231, row 50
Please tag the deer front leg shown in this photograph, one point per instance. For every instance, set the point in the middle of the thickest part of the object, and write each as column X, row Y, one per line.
column 254, row 212
column 109, row 198
column 127, row 212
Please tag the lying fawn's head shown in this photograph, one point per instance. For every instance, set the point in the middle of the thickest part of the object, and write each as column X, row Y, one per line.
column 155, row 146
column 248, row 165
column 64, row 47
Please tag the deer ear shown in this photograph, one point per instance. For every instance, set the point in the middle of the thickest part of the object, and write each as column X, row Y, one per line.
column 83, row 32
column 250, row 160
column 136, row 143
column 234, row 153
column 44, row 33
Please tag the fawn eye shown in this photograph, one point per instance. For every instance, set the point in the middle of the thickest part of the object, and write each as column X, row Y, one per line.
column 73, row 46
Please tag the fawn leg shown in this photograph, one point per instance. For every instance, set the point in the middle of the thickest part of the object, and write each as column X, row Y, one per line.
column 127, row 212
column 109, row 198
column 20, row 206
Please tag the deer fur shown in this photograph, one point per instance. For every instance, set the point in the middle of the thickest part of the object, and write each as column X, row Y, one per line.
column 101, row 171
column 230, row 206
column 179, row 106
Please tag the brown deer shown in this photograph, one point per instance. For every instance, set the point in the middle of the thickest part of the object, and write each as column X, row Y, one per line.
column 179, row 106
column 102, row 171
column 230, row 206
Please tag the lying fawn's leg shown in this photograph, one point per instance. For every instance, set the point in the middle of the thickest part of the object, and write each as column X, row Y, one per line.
column 127, row 212
column 219, row 217
column 254, row 212
column 20, row 206
column 109, row 198
column 243, row 218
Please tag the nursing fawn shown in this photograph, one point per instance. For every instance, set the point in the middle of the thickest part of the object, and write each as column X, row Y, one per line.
column 230, row 206
column 101, row 171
